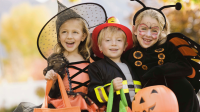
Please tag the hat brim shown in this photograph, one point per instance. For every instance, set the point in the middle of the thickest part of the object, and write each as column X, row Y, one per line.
column 93, row 14
column 97, row 30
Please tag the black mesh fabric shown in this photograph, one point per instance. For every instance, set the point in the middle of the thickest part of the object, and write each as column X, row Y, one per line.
column 26, row 107
column 66, row 14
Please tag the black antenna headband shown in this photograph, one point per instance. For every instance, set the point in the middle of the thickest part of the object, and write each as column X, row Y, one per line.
column 178, row 6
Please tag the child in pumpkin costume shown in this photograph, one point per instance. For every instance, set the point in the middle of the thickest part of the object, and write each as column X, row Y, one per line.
column 68, row 32
column 157, row 61
column 110, row 40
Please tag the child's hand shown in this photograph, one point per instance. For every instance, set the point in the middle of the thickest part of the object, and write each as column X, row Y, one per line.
column 117, row 83
column 51, row 75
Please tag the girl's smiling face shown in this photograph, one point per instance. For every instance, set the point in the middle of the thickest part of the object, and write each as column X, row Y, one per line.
column 71, row 34
column 147, row 32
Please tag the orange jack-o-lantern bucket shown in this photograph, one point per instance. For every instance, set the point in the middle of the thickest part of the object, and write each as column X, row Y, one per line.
column 155, row 99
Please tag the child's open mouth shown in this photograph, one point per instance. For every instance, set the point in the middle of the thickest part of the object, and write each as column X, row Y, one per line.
column 70, row 44
column 146, row 41
column 113, row 50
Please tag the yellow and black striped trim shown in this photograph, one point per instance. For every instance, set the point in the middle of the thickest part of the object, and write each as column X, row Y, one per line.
column 137, row 86
column 101, row 93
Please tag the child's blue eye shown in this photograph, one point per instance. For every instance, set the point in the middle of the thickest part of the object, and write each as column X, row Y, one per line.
column 63, row 31
column 107, row 40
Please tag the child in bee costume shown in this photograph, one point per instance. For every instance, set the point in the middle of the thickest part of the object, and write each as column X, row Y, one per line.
column 157, row 61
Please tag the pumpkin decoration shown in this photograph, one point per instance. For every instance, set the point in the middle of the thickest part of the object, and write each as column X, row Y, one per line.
column 157, row 98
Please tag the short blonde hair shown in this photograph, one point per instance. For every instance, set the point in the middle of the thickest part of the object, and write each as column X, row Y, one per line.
column 111, row 30
column 156, row 15
column 84, row 47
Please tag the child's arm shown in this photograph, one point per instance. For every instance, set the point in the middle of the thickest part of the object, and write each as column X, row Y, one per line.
column 177, row 66
column 97, row 89
column 56, row 64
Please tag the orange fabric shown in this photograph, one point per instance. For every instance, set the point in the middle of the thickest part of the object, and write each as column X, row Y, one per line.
column 77, row 100
column 66, row 104
column 194, row 50
column 82, row 77
column 186, row 51
column 74, row 101
column 177, row 41
column 193, row 73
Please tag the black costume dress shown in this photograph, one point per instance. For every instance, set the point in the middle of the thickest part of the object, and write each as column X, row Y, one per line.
column 158, row 64
column 101, row 74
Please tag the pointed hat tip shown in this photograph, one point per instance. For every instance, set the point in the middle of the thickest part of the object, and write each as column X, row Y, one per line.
column 61, row 6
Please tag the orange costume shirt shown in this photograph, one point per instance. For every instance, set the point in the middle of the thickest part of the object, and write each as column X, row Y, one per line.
column 79, row 78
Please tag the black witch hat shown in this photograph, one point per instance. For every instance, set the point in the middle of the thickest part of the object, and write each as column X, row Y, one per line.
column 93, row 15
column 68, row 14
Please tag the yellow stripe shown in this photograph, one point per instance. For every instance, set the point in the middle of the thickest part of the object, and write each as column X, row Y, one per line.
column 137, row 89
column 136, row 82
column 104, row 94
column 118, row 92
column 196, row 60
column 125, row 91
column 97, row 94
column 107, row 84
column 124, row 82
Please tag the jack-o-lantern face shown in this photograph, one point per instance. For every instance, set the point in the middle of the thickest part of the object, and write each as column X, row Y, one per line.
column 155, row 99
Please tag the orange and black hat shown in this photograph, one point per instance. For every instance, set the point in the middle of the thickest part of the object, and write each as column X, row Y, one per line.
column 112, row 21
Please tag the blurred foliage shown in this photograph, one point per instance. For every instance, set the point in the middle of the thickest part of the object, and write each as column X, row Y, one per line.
column 40, row 92
column 74, row 0
column 182, row 1
column 20, row 28
column 11, row 109
column 185, row 21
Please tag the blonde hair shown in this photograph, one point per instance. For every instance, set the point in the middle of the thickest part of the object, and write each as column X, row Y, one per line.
column 84, row 47
column 156, row 15
column 111, row 30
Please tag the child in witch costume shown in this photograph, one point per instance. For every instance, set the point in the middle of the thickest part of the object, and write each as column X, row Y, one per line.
column 71, row 53
column 157, row 61
column 110, row 40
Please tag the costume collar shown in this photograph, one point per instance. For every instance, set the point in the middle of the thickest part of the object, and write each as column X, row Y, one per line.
column 149, row 49
column 133, row 74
